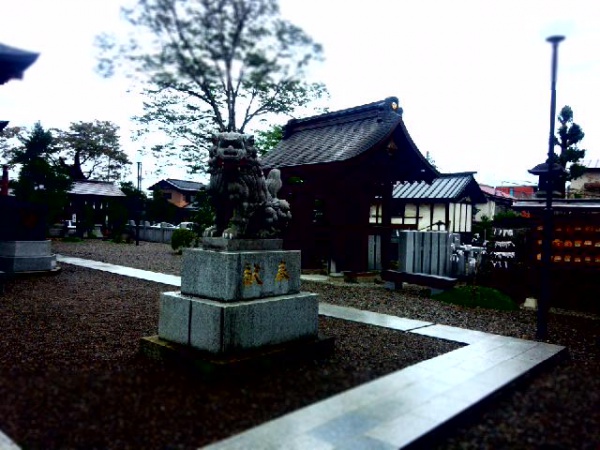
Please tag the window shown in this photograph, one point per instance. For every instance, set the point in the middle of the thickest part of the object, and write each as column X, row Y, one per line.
column 167, row 195
column 376, row 211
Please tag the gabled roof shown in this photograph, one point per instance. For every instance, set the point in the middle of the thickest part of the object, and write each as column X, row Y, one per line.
column 178, row 185
column 100, row 188
column 447, row 187
column 338, row 136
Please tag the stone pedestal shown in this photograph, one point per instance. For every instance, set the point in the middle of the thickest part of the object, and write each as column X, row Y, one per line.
column 238, row 296
column 26, row 256
column 219, row 327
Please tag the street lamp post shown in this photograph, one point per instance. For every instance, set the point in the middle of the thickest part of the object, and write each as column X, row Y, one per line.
column 553, row 170
column 138, row 209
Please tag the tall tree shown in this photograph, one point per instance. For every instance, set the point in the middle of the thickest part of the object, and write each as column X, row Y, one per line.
column 91, row 150
column 568, row 136
column 7, row 138
column 267, row 140
column 213, row 65
column 39, row 180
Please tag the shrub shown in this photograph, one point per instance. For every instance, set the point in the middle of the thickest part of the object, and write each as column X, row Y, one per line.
column 72, row 239
column 182, row 238
column 477, row 296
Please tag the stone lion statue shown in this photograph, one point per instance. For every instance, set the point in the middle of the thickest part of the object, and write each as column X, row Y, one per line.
column 246, row 203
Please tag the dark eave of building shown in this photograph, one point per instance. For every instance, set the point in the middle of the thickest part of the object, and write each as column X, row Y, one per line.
column 178, row 185
column 14, row 62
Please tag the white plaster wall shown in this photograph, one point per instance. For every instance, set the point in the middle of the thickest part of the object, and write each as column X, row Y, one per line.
column 439, row 213
column 424, row 212
column 489, row 210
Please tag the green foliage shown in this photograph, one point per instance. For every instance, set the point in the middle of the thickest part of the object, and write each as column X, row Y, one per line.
column 73, row 239
column 6, row 136
column 94, row 149
column 483, row 229
column 40, row 181
column 183, row 238
column 267, row 140
column 477, row 297
column 209, row 65
column 159, row 209
column 204, row 217
column 568, row 136
column 430, row 160
column 135, row 199
column 504, row 215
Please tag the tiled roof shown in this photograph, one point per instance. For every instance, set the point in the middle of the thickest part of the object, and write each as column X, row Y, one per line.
column 335, row 136
column 180, row 185
column 451, row 186
column 591, row 163
column 101, row 188
column 489, row 190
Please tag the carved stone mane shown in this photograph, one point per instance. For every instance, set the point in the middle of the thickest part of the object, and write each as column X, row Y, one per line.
column 246, row 204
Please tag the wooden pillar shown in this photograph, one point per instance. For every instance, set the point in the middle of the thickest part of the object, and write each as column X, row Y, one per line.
column 386, row 225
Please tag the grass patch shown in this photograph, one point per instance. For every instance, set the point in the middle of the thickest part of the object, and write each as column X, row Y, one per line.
column 477, row 297
column 72, row 239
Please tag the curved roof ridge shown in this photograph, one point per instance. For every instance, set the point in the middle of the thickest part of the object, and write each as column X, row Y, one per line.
column 355, row 113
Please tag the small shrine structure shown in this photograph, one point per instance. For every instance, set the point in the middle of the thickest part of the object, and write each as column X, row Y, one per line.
column 335, row 168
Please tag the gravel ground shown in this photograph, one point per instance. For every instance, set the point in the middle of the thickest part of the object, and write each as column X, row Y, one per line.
column 76, row 380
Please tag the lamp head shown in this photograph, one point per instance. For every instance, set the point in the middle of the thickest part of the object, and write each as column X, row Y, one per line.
column 555, row 39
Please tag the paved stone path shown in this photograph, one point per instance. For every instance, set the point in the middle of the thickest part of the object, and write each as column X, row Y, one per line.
column 397, row 410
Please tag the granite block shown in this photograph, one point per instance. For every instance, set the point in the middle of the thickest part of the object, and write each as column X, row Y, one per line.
column 174, row 318
column 219, row 327
column 27, row 263
column 25, row 248
column 270, row 321
column 235, row 276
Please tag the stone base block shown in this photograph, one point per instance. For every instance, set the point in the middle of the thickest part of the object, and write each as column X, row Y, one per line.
column 26, row 256
column 209, row 365
column 25, row 248
column 243, row 275
column 222, row 328
column 27, row 264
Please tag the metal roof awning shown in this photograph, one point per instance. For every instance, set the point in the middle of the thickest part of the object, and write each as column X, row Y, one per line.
column 580, row 205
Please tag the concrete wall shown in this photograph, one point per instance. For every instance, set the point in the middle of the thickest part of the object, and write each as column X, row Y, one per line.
column 425, row 252
column 577, row 185
column 151, row 234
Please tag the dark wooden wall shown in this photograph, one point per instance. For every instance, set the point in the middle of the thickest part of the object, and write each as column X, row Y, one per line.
column 330, row 206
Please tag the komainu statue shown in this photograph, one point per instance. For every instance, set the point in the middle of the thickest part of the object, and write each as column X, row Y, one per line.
column 246, row 203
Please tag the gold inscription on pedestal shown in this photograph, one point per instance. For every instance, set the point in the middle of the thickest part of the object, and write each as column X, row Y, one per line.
column 247, row 276
column 251, row 276
column 282, row 273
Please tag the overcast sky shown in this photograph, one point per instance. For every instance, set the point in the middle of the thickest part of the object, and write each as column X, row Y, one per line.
column 473, row 77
